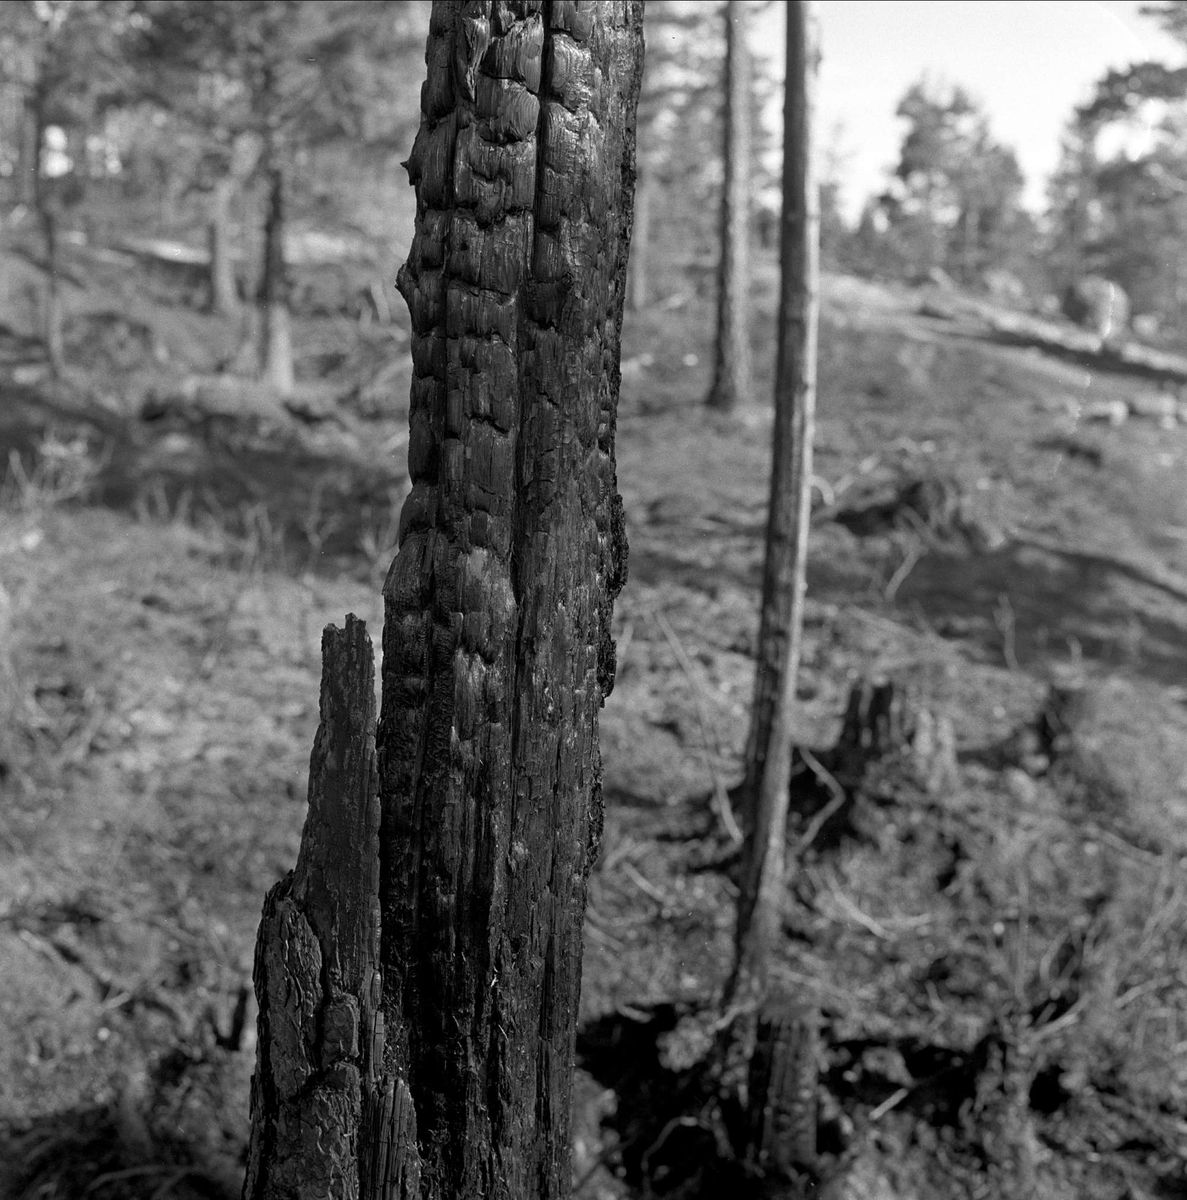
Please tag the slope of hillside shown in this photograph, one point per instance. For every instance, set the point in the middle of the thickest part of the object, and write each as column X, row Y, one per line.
column 996, row 959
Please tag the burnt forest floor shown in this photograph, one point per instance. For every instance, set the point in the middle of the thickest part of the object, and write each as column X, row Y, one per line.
column 165, row 572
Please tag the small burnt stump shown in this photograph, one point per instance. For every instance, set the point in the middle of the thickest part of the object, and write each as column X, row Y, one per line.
column 783, row 1083
column 891, row 741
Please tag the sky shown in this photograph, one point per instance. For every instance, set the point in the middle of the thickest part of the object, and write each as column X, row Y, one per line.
column 1029, row 62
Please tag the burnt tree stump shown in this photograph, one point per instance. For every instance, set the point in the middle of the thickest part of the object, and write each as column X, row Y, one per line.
column 325, row 1111
column 432, row 1054
column 891, row 741
column 783, row 1083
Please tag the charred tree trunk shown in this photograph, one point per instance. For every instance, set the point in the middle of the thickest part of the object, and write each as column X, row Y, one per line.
column 497, row 650
column 224, row 294
column 769, row 756
column 640, row 241
column 731, row 372
column 276, row 351
column 327, row 1119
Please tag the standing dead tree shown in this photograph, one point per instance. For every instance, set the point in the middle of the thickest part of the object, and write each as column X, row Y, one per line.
column 774, row 1035
column 781, row 630
column 419, row 973
column 781, row 618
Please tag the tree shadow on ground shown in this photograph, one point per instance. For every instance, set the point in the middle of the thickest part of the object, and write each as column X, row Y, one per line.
column 319, row 499
column 1027, row 600
column 102, row 1151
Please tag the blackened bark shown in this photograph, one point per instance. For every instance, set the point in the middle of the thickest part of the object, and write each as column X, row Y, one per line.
column 276, row 352
column 769, row 753
column 419, row 972
column 782, row 1086
column 731, row 368
column 497, row 646
column 324, row 1110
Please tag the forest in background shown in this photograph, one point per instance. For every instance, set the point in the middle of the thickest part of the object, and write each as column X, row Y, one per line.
column 127, row 119
column 204, row 419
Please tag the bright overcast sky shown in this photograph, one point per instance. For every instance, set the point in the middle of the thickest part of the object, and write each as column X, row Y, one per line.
column 1028, row 61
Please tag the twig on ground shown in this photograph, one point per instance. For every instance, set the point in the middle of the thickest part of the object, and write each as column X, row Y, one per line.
column 855, row 914
column 812, row 832
column 598, row 934
column 645, row 885
column 891, row 1101
column 665, row 1133
column 915, row 551
column 624, row 849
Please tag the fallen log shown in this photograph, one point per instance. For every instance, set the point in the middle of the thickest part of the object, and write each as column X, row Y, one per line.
column 1024, row 330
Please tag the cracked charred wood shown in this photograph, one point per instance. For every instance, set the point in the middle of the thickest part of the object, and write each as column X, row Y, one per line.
column 320, row 1083
column 497, row 642
column 444, row 1070
column 784, row 1077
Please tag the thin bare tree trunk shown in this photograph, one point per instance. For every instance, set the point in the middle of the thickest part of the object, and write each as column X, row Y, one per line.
column 325, row 1116
column 276, row 351
column 46, row 206
column 52, row 336
column 224, row 294
column 732, row 368
column 9, row 687
column 787, row 528
column 497, row 650
column 28, row 152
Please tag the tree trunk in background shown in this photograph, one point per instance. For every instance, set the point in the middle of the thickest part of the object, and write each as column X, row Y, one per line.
column 446, row 1074
column 769, row 756
column 28, row 154
column 55, row 351
column 9, row 689
column 46, row 205
column 224, row 295
column 276, row 351
column 640, row 241
column 731, row 369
